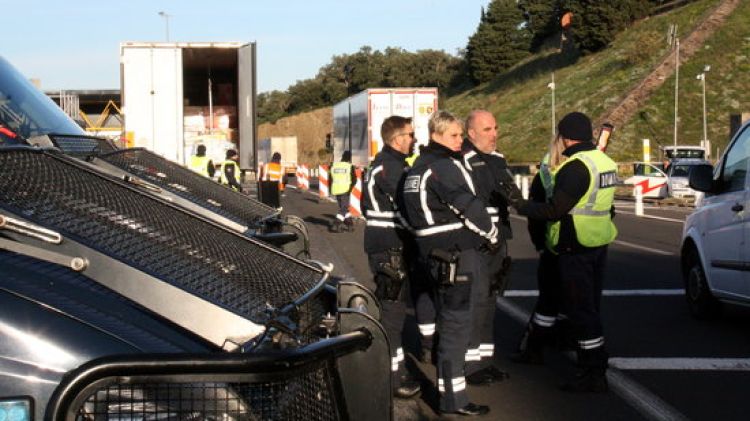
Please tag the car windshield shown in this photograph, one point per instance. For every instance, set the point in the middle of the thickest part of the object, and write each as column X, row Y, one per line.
column 26, row 111
column 680, row 170
column 648, row 170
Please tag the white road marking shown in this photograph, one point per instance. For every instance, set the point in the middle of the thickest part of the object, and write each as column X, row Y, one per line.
column 702, row 364
column 658, row 218
column 641, row 399
column 644, row 248
column 606, row 292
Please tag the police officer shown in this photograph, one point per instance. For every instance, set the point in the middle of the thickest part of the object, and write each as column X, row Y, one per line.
column 580, row 227
column 450, row 224
column 545, row 324
column 342, row 181
column 230, row 171
column 487, row 168
column 385, row 237
column 202, row 164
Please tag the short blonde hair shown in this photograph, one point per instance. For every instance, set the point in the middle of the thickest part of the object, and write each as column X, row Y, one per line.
column 441, row 120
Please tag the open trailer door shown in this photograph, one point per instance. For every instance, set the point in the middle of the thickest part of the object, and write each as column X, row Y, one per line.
column 153, row 98
column 246, row 98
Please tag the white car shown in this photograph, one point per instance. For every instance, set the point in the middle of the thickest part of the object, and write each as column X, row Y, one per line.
column 716, row 237
column 651, row 178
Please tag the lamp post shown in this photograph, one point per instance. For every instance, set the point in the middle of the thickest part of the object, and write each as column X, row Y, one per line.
column 551, row 86
column 166, row 17
column 702, row 78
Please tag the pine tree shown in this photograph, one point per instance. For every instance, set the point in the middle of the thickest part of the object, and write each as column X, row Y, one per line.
column 542, row 17
column 501, row 40
column 596, row 22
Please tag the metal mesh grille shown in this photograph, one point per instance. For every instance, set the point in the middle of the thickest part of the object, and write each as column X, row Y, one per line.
column 309, row 396
column 82, row 146
column 225, row 268
column 189, row 185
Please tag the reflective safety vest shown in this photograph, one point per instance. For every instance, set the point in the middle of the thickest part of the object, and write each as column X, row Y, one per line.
column 199, row 164
column 341, row 178
column 222, row 176
column 592, row 219
column 411, row 158
column 273, row 171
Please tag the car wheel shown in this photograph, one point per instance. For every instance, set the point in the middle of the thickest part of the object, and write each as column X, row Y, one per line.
column 702, row 304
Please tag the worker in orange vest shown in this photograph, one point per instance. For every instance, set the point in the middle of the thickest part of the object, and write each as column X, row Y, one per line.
column 274, row 171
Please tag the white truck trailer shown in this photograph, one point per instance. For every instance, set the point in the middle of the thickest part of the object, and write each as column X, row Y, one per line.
column 357, row 119
column 178, row 95
column 285, row 145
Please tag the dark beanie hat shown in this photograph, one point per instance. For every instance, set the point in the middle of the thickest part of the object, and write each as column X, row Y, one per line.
column 576, row 126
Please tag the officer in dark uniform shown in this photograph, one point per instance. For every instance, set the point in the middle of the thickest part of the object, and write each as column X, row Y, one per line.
column 580, row 228
column 230, row 171
column 385, row 237
column 487, row 168
column 450, row 225
column 545, row 325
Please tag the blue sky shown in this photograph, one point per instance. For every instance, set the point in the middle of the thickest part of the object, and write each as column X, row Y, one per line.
column 75, row 44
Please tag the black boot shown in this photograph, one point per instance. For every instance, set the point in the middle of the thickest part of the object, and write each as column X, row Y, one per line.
column 408, row 387
column 531, row 348
column 592, row 375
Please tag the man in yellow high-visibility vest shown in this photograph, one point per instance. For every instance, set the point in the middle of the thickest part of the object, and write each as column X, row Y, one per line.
column 343, row 179
column 579, row 229
column 202, row 164
column 230, row 171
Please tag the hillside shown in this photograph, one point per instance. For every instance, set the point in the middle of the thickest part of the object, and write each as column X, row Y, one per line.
column 596, row 83
column 310, row 128
column 632, row 83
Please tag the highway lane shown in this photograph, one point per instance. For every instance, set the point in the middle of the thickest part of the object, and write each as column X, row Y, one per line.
column 656, row 331
column 643, row 331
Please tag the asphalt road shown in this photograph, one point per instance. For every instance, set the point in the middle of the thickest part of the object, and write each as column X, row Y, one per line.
column 667, row 365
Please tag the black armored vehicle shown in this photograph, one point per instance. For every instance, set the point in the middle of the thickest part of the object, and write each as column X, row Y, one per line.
column 36, row 120
column 118, row 304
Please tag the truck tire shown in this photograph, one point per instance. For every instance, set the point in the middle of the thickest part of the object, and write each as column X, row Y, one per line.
column 701, row 302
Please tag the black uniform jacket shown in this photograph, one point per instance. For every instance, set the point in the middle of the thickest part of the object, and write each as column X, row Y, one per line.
column 438, row 200
column 384, row 229
column 571, row 183
column 487, row 171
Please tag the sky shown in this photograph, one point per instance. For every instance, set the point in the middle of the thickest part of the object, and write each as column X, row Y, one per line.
column 75, row 44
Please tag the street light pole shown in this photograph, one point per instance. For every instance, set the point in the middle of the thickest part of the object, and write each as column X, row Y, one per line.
column 676, row 88
column 702, row 78
column 551, row 85
column 166, row 17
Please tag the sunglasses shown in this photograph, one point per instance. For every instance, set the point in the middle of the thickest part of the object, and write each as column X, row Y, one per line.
column 410, row 134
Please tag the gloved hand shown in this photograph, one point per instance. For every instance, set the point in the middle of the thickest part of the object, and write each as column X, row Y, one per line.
column 512, row 194
column 490, row 248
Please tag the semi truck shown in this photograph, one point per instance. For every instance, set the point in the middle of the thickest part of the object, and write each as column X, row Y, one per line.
column 176, row 96
column 285, row 145
column 357, row 119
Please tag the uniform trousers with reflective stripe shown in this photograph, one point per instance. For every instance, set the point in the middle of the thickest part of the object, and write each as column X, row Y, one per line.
column 423, row 299
column 343, row 202
column 582, row 278
column 393, row 315
column 548, row 305
column 454, row 320
column 480, row 352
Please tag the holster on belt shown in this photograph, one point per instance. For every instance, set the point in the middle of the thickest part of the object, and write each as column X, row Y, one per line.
column 447, row 265
column 393, row 271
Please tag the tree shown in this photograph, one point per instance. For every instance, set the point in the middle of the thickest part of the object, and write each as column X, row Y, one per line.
column 542, row 18
column 595, row 22
column 501, row 40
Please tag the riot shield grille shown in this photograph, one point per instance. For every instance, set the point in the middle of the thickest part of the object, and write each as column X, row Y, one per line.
column 233, row 271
